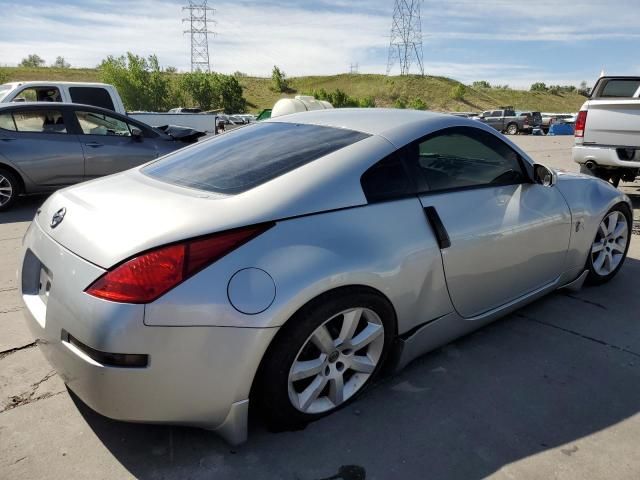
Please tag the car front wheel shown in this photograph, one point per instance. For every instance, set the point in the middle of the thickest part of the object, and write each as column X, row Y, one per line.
column 324, row 357
column 609, row 248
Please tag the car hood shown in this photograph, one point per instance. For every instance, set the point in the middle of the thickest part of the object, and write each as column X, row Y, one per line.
column 113, row 218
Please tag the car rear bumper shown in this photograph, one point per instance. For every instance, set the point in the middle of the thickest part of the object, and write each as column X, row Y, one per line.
column 198, row 376
column 603, row 156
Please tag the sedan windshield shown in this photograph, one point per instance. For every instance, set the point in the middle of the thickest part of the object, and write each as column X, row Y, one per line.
column 247, row 157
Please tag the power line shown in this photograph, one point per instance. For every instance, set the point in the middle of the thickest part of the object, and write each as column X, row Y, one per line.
column 353, row 68
column 405, row 45
column 199, row 19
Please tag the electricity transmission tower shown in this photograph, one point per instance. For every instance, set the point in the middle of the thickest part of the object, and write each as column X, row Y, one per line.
column 405, row 46
column 200, row 16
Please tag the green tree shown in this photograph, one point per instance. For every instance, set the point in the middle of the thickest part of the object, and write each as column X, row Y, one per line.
column 230, row 94
column 539, row 87
column 457, row 92
column 32, row 60
column 171, row 69
column 417, row 104
column 481, row 84
column 212, row 91
column 279, row 80
column 61, row 63
column 140, row 81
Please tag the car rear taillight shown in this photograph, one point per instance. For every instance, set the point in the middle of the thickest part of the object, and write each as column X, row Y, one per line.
column 581, row 123
column 150, row 275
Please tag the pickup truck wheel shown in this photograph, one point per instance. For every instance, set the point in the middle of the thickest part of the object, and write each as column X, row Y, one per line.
column 609, row 248
column 9, row 189
column 512, row 129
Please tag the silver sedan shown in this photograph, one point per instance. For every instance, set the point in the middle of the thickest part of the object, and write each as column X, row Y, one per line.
column 286, row 262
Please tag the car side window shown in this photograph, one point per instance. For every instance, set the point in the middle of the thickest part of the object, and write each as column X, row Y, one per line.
column 96, row 96
column 387, row 179
column 465, row 157
column 6, row 122
column 39, row 94
column 94, row 123
column 42, row 121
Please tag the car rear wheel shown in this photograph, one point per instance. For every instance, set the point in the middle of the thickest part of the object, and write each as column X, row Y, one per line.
column 9, row 189
column 512, row 129
column 326, row 355
column 609, row 248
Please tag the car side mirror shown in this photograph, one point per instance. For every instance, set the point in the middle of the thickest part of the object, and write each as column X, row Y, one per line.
column 543, row 176
column 136, row 133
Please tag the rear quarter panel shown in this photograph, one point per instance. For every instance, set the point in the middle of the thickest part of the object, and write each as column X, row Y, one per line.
column 387, row 246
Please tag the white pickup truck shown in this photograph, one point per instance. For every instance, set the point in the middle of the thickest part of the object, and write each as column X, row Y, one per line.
column 607, row 131
column 99, row 95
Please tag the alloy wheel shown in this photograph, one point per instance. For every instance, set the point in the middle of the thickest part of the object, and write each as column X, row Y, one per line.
column 336, row 360
column 609, row 247
column 6, row 190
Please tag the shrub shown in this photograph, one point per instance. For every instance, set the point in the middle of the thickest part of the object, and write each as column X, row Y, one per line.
column 457, row 92
column 539, row 87
column 481, row 84
column 279, row 81
column 418, row 104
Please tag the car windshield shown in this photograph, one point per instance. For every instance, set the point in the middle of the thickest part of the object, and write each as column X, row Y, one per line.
column 4, row 89
column 247, row 157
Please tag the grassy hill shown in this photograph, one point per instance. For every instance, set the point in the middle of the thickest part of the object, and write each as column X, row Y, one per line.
column 435, row 92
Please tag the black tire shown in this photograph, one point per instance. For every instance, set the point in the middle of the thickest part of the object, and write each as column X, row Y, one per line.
column 9, row 184
column 594, row 278
column 271, row 389
column 512, row 129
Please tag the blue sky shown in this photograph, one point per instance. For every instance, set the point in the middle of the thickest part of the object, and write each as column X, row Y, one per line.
column 502, row 41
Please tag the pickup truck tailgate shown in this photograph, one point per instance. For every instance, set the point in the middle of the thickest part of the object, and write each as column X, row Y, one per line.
column 613, row 122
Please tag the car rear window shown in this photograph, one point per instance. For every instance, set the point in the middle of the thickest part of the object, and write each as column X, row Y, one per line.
column 620, row 88
column 250, row 156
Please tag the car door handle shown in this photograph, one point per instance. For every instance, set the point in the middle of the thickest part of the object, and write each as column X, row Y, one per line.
column 6, row 139
column 438, row 228
column 94, row 144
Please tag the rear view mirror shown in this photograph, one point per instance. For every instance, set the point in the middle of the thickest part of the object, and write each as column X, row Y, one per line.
column 543, row 175
column 136, row 133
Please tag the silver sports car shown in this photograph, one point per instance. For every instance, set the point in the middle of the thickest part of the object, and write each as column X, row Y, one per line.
column 288, row 261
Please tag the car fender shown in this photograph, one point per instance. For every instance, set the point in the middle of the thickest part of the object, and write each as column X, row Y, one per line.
column 589, row 199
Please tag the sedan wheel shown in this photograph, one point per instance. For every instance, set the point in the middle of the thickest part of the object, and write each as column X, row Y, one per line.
column 8, row 189
column 610, row 246
column 336, row 360
column 324, row 356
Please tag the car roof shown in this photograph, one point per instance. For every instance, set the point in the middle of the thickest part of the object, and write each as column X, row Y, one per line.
column 399, row 126
column 46, row 83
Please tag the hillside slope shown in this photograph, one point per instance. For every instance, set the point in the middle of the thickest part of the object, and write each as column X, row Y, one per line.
column 435, row 92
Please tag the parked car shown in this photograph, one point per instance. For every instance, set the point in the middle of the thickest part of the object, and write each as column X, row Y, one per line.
column 505, row 121
column 46, row 146
column 532, row 120
column 607, row 130
column 288, row 261
column 99, row 95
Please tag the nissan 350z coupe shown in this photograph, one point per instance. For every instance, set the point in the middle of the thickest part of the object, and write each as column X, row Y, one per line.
column 286, row 262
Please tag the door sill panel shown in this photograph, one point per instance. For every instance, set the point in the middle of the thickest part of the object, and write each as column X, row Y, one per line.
column 451, row 326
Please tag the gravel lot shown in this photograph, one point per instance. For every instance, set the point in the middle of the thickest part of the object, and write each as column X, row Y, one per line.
column 552, row 391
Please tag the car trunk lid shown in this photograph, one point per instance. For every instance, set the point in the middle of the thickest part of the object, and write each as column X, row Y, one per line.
column 613, row 122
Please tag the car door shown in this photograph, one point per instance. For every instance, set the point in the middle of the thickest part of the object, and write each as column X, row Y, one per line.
column 39, row 142
column 109, row 143
column 496, row 120
column 502, row 236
